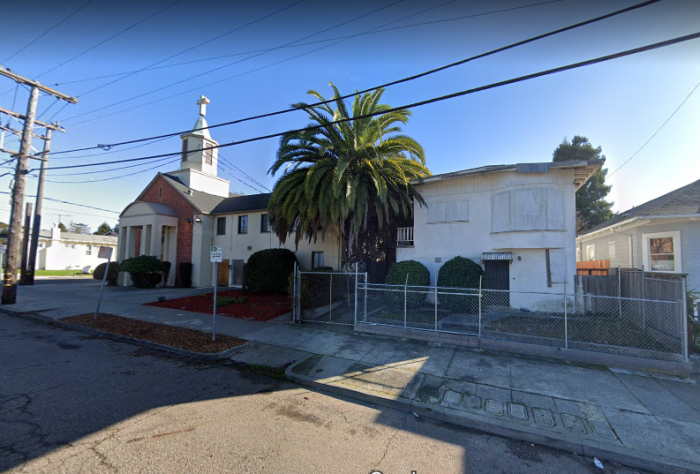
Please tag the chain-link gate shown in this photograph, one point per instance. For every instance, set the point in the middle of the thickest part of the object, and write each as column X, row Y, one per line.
column 325, row 297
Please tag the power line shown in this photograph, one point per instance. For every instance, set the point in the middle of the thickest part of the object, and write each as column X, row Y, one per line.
column 253, row 180
column 113, row 177
column 388, row 84
column 112, row 169
column 110, row 38
column 590, row 62
column 657, row 131
column 48, row 31
column 191, row 48
column 231, row 64
column 70, row 203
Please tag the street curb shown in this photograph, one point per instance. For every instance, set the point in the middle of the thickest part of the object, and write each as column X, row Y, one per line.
column 634, row 459
column 119, row 338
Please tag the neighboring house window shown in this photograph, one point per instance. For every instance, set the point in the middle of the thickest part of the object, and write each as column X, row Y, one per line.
column 88, row 250
column 220, row 226
column 242, row 224
column 316, row 259
column 184, row 149
column 662, row 251
column 264, row 223
column 590, row 252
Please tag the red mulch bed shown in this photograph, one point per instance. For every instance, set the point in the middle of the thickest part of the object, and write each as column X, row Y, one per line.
column 183, row 338
column 259, row 307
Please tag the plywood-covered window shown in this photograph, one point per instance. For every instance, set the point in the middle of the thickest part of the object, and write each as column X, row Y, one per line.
column 453, row 211
column 531, row 209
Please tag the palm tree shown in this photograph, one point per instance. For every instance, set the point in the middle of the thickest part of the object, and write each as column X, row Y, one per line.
column 354, row 176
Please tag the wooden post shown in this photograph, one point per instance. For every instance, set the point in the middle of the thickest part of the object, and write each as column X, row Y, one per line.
column 34, row 246
column 9, row 290
column 25, row 242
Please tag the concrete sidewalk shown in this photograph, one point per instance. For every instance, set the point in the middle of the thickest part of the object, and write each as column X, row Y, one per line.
column 644, row 420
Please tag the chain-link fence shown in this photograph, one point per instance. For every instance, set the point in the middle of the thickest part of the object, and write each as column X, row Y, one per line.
column 325, row 296
column 644, row 328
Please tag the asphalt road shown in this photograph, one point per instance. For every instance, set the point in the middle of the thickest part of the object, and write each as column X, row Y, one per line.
column 71, row 403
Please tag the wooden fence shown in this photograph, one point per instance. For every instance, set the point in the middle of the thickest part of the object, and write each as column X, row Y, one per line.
column 593, row 267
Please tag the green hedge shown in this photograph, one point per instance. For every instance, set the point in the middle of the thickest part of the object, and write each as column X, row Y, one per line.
column 460, row 272
column 99, row 272
column 268, row 270
column 145, row 270
column 418, row 275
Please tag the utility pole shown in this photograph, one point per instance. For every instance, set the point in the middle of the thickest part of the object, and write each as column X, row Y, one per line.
column 28, row 278
column 25, row 240
column 9, row 287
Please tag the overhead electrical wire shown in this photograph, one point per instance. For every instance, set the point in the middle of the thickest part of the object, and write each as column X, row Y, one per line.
column 210, row 71
column 385, row 85
column 657, row 131
column 119, row 33
column 68, row 202
column 114, row 177
column 48, row 31
column 590, row 62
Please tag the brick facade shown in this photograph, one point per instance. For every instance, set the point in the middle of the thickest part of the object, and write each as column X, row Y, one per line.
column 160, row 192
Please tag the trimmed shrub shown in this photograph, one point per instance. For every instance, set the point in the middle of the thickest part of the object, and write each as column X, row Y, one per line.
column 99, row 272
column 460, row 272
column 418, row 275
column 185, row 274
column 166, row 272
column 144, row 270
column 268, row 270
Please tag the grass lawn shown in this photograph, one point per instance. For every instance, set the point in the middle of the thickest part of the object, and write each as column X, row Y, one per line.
column 600, row 330
column 75, row 272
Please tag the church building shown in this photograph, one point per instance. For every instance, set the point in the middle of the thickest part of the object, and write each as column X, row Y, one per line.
column 181, row 214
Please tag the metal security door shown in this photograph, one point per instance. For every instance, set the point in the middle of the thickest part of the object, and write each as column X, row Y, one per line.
column 498, row 278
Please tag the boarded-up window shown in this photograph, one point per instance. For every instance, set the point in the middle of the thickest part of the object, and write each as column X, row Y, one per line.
column 500, row 212
column 527, row 209
column 555, row 209
column 455, row 211
column 557, row 265
column 458, row 211
column 184, row 149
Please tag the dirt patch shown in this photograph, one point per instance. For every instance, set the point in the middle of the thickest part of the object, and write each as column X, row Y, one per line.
column 182, row 338
column 257, row 306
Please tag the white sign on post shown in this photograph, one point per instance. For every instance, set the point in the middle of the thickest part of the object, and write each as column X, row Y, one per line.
column 105, row 252
column 216, row 254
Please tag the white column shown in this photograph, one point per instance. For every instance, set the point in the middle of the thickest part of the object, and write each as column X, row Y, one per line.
column 156, row 234
column 144, row 240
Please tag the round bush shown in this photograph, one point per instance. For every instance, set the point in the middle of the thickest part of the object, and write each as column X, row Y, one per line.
column 144, row 270
column 268, row 270
column 418, row 275
column 460, row 272
column 99, row 272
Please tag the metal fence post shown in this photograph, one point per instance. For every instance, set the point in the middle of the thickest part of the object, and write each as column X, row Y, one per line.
column 436, row 303
column 644, row 303
column 294, row 294
column 479, row 306
column 566, row 322
column 330, row 302
column 684, row 316
column 619, row 290
column 365, row 317
column 405, row 287
column 355, row 292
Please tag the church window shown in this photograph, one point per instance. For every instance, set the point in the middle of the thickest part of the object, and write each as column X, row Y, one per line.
column 208, row 156
column 184, row 149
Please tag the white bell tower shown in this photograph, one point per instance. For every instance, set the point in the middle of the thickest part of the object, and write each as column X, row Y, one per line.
column 200, row 158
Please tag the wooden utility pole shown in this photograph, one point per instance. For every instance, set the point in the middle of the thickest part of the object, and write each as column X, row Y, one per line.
column 9, row 287
column 25, row 240
column 28, row 278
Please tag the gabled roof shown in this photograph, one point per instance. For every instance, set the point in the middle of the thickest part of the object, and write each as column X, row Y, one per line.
column 87, row 238
column 202, row 201
column 681, row 202
column 253, row 202
column 584, row 170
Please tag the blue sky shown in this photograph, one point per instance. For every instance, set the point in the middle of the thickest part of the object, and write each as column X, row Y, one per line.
column 617, row 105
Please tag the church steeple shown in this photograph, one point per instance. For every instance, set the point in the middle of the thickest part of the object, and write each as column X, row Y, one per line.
column 197, row 151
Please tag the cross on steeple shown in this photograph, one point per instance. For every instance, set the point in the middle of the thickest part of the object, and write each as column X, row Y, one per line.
column 202, row 102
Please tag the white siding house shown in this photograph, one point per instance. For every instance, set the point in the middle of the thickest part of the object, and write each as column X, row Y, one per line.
column 516, row 221
column 68, row 251
column 661, row 235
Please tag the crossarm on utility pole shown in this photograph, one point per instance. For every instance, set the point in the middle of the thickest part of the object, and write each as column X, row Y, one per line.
column 36, row 84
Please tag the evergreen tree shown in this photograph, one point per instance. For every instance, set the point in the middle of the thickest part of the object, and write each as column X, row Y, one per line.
column 591, row 206
column 62, row 227
column 103, row 229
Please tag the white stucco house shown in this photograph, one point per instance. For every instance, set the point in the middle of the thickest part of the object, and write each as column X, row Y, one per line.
column 181, row 214
column 68, row 251
column 661, row 235
column 517, row 221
